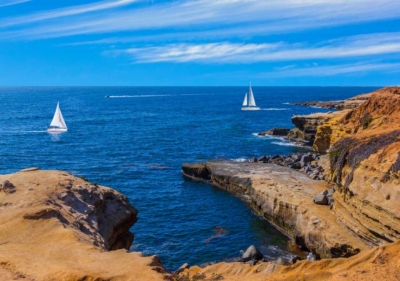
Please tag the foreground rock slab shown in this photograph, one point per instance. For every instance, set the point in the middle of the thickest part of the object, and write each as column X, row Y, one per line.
column 285, row 198
column 381, row 263
column 55, row 226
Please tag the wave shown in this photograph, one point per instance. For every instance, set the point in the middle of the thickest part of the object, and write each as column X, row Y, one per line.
column 267, row 136
column 22, row 132
column 150, row 96
column 287, row 103
column 241, row 159
column 285, row 143
column 276, row 108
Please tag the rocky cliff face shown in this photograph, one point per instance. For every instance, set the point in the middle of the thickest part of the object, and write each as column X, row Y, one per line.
column 365, row 164
column 322, row 129
column 54, row 226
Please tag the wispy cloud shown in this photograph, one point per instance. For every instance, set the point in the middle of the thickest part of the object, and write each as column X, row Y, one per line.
column 207, row 17
column 63, row 12
column 349, row 47
column 332, row 70
column 202, row 52
column 4, row 3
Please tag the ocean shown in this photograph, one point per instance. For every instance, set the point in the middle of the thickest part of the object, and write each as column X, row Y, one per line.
column 136, row 140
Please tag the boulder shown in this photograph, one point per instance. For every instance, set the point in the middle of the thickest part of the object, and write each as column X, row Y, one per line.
column 321, row 199
column 305, row 159
column 254, row 159
column 296, row 156
column 295, row 259
column 296, row 166
column 263, row 159
column 279, row 132
column 252, row 253
column 7, row 187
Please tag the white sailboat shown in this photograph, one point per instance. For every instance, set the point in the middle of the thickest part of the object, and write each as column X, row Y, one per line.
column 57, row 125
column 249, row 102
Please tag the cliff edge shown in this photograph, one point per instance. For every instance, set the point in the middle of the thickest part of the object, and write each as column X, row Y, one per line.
column 54, row 226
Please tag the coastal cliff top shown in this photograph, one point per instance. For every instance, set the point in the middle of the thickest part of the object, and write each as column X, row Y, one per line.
column 54, row 226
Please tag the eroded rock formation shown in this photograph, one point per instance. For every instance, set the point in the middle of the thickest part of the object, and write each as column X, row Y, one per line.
column 54, row 226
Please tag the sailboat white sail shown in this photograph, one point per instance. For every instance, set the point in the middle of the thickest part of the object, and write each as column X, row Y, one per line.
column 245, row 102
column 249, row 102
column 57, row 125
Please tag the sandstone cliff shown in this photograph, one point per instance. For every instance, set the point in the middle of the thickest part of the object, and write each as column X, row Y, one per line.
column 317, row 127
column 365, row 164
column 54, row 226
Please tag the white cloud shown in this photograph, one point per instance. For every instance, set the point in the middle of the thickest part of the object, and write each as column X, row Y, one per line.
column 332, row 70
column 64, row 12
column 202, row 52
column 349, row 47
column 4, row 3
column 209, row 17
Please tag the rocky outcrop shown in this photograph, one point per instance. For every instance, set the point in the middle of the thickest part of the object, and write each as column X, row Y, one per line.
column 350, row 103
column 281, row 132
column 310, row 127
column 285, row 198
column 54, row 226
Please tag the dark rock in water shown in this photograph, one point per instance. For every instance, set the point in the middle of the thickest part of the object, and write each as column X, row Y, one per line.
column 254, row 159
column 252, row 253
column 275, row 157
column 321, row 199
column 279, row 132
column 295, row 259
column 263, row 159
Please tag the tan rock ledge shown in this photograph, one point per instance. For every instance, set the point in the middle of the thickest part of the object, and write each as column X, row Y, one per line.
column 284, row 198
column 54, row 226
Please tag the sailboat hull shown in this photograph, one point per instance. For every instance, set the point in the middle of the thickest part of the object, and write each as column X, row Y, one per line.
column 56, row 130
column 251, row 108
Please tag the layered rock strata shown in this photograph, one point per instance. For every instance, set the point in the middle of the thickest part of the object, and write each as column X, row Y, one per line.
column 365, row 164
column 283, row 197
column 54, row 226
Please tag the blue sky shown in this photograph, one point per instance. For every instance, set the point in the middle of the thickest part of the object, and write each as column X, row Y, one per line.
column 200, row 42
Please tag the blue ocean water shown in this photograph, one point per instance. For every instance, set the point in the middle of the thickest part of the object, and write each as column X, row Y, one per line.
column 136, row 141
